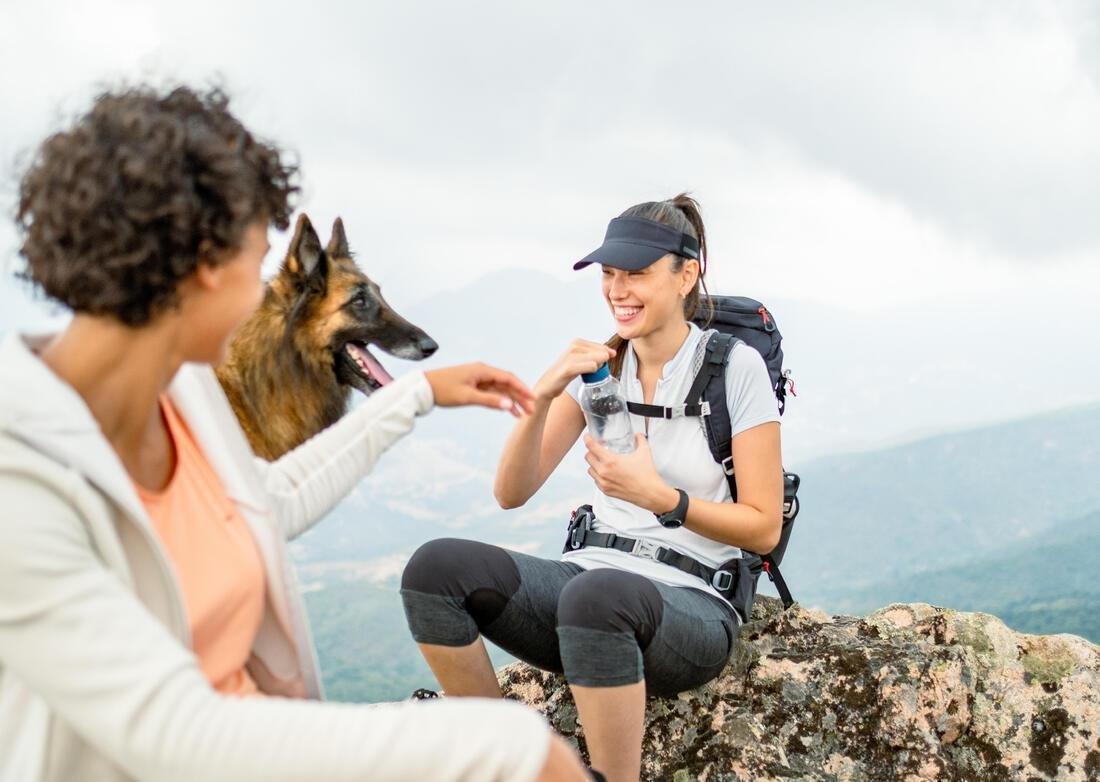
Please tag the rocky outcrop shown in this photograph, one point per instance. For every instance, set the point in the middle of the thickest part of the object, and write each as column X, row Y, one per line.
column 910, row 692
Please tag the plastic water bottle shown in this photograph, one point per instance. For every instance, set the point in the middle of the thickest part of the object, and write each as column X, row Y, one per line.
column 605, row 411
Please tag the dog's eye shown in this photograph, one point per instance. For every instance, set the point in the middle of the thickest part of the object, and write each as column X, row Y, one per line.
column 360, row 301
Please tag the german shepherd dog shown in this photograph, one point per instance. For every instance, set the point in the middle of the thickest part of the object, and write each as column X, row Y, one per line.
column 291, row 366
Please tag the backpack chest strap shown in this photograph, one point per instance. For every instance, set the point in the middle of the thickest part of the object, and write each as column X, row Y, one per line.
column 679, row 411
column 695, row 406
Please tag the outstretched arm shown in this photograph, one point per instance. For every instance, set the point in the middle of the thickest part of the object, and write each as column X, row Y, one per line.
column 307, row 482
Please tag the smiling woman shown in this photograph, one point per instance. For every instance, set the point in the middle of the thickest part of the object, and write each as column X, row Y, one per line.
column 644, row 598
column 678, row 215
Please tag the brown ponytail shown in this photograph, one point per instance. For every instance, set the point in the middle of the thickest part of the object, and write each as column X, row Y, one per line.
column 682, row 213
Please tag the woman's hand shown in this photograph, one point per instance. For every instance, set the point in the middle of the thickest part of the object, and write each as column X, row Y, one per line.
column 581, row 356
column 480, row 384
column 630, row 476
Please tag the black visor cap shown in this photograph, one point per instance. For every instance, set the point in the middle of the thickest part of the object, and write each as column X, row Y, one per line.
column 633, row 243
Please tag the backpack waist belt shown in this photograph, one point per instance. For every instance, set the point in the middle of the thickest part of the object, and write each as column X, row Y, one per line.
column 581, row 535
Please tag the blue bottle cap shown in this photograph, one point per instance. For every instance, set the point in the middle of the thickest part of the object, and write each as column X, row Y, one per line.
column 595, row 377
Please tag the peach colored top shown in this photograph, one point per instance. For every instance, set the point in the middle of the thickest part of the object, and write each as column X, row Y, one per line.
column 216, row 560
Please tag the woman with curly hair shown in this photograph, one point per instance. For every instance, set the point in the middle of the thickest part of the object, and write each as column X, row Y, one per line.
column 149, row 623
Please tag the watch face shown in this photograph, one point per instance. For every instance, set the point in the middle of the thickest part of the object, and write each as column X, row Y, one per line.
column 671, row 521
column 675, row 517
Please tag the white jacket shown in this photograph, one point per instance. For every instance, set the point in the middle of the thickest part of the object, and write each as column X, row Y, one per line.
column 97, row 680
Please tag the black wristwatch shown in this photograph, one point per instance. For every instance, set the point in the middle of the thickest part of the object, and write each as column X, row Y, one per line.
column 675, row 517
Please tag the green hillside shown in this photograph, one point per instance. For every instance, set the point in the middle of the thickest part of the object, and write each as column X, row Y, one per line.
column 365, row 650
column 1045, row 583
column 881, row 516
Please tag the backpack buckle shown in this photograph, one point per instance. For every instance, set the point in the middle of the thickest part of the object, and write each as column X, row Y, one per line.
column 578, row 527
column 717, row 357
column 722, row 580
column 727, row 465
column 646, row 549
column 577, row 534
column 680, row 411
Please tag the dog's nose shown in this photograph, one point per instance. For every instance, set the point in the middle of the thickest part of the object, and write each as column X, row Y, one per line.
column 428, row 346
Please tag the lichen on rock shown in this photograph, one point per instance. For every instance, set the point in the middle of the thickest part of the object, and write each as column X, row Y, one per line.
column 909, row 692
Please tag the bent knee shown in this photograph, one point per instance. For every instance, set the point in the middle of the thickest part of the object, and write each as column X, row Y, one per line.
column 612, row 601
column 429, row 568
column 456, row 568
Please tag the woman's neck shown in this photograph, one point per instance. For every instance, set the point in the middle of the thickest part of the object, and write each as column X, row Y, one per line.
column 657, row 348
column 119, row 372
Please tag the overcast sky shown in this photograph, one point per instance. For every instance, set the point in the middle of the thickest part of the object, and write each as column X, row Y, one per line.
column 870, row 155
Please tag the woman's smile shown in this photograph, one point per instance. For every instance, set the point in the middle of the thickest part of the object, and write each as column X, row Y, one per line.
column 625, row 314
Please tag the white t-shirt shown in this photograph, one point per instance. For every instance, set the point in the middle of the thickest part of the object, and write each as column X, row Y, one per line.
column 682, row 458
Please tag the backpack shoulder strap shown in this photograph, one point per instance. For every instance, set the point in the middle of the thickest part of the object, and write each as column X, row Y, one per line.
column 709, row 388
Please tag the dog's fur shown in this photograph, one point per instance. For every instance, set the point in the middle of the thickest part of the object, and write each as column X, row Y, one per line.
column 291, row 366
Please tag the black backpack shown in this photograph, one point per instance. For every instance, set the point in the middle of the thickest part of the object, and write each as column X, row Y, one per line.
column 738, row 318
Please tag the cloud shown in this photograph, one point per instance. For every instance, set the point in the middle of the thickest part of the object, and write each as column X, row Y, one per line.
column 831, row 146
column 938, row 106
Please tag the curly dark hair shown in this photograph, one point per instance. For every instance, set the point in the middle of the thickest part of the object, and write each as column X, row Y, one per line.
column 116, row 210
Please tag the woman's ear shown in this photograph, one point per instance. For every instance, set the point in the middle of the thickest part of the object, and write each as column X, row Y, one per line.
column 689, row 275
column 207, row 273
column 208, row 276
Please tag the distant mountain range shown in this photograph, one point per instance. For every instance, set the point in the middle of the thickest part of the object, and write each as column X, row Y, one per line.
column 1043, row 582
column 879, row 517
column 864, row 380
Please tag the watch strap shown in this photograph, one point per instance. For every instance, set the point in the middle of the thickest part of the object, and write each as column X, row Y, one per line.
column 679, row 512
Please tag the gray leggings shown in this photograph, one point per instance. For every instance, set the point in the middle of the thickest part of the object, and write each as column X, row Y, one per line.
column 601, row 628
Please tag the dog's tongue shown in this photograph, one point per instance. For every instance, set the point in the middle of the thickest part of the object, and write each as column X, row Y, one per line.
column 365, row 359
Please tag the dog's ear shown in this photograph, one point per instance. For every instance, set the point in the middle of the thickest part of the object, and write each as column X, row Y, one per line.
column 304, row 257
column 338, row 244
